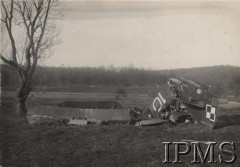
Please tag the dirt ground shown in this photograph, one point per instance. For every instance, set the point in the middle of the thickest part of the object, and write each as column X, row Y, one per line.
column 22, row 144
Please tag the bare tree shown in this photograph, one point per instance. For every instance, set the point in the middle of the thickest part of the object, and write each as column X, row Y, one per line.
column 30, row 32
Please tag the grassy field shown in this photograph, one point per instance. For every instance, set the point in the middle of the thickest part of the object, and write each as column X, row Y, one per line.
column 22, row 144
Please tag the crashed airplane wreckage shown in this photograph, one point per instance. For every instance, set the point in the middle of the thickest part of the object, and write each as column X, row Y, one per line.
column 179, row 101
column 188, row 102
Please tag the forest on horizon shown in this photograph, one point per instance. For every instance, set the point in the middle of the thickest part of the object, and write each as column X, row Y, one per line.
column 224, row 77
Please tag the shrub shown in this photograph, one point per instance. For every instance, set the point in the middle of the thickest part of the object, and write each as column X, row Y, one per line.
column 120, row 91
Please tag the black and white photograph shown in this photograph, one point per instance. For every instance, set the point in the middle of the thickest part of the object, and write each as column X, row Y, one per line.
column 119, row 83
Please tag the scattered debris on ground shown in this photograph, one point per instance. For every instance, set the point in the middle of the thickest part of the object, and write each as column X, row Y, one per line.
column 45, row 120
column 78, row 122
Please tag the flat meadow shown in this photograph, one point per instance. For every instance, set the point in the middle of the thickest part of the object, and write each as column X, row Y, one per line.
column 23, row 144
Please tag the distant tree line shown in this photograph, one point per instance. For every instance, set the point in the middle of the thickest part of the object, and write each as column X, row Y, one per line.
column 94, row 76
column 235, row 85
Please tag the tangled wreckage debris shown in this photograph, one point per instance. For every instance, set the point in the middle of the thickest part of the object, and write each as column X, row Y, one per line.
column 143, row 118
column 180, row 101
column 193, row 103
column 187, row 102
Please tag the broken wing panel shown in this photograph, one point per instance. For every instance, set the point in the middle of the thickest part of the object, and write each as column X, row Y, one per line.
column 157, row 105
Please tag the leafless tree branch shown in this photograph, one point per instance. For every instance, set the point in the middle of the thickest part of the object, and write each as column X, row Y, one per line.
column 33, row 16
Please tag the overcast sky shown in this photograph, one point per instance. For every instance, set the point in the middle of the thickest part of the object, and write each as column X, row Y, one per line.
column 156, row 35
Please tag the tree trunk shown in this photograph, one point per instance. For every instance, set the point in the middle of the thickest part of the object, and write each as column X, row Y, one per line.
column 21, row 107
column 22, row 96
